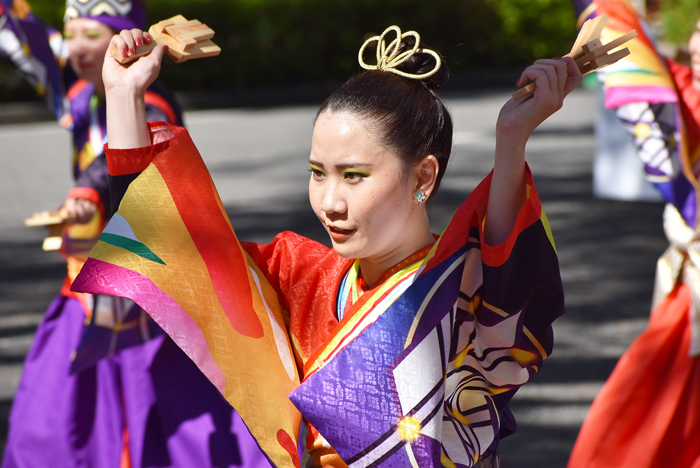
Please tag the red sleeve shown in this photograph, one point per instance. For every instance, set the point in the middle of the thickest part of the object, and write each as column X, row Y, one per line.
column 288, row 257
column 529, row 214
column 469, row 221
column 306, row 275
column 134, row 160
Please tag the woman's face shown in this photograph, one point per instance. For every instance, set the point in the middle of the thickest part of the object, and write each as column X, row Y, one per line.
column 87, row 42
column 360, row 191
column 694, row 49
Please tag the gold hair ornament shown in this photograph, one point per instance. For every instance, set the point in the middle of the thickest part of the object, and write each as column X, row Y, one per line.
column 388, row 57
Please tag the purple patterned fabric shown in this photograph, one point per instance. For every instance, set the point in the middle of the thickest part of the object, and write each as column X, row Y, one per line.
column 429, row 382
column 175, row 417
column 364, row 391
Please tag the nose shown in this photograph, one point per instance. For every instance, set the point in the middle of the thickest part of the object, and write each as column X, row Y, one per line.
column 333, row 202
column 76, row 46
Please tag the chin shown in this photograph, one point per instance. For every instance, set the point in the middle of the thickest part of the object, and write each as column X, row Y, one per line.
column 345, row 250
column 88, row 74
column 93, row 78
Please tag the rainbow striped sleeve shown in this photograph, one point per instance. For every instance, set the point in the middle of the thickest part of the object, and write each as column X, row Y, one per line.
column 643, row 75
column 171, row 249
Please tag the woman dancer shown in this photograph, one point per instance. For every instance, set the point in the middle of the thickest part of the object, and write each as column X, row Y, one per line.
column 648, row 412
column 102, row 395
column 380, row 146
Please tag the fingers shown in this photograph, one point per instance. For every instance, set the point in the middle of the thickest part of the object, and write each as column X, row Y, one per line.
column 522, row 81
column 538, row 75
column 552, row 74
column 560, row 68
column 79, row 210
column 139, row 37
column 119, row 44
column 69, row 209
column 553, row 80
column 549, row 67
column 158, row 53
column 128, row 41
column 541, row 81
column 573, row 75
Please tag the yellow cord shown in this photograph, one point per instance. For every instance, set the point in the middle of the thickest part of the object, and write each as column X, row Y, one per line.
column 388, row 57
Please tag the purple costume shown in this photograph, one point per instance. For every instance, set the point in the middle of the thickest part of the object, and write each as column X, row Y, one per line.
column 117, row 392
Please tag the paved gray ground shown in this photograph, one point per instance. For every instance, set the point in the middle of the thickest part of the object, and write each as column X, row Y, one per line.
column 607, row 249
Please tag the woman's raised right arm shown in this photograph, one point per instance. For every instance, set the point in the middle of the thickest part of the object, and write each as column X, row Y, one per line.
column 517, row 120
column 125, row 88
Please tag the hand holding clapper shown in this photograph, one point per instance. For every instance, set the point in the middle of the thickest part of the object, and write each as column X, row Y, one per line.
column 589, row 52
column 185, row 40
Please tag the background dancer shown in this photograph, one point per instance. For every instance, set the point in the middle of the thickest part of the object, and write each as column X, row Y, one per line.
column 117, row 392
column 648, row 412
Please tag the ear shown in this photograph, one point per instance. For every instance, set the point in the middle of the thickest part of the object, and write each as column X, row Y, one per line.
column 426, row 171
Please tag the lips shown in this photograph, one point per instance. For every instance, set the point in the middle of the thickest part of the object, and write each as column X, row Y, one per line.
column 338, row 233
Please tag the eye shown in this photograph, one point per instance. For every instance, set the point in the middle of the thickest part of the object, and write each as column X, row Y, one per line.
column 317, row 173
column 67, row 35
column 354, row 177
column 93, row 34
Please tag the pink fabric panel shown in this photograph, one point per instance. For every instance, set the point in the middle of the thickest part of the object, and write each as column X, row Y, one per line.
column 98, row 277
column 621, row 95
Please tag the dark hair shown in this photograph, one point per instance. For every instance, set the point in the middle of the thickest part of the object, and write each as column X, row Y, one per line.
column 409, row 116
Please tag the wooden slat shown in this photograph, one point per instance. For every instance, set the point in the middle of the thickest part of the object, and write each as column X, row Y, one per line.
column 619, row 41
column 588, row 51
column 145, row 49
column 186, row 40
column 46, row 218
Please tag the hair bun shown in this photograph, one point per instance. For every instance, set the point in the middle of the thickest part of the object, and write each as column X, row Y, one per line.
column 421, row 63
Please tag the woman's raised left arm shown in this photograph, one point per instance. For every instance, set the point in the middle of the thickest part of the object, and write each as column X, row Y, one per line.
column 554, row 79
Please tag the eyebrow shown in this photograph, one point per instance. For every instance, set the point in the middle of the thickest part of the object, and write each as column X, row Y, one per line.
column 341, row 166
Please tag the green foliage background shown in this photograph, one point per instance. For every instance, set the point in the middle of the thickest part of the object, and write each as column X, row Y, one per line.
column 285, row 42
column 272, row 43
column 679, row 18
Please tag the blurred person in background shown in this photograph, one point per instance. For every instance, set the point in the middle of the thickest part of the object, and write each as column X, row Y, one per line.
column 102, row 385
column 648, row 412
column 618, row 173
